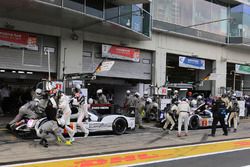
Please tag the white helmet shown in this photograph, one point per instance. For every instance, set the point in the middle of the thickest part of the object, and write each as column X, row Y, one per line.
column 199, row 97
column 99, row 91
column 78, row 86
column 91, row 101
column 145, row 93
column 155, row 105
column 149, row 100
column 176, row 91
column 137, row 94
column 61, row 122
column 128, row 92
column 38, row 91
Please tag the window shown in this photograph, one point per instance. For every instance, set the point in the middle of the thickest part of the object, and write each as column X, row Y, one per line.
column 94, row 7
column 74, row 4
column 126, row 13
column 111, row 12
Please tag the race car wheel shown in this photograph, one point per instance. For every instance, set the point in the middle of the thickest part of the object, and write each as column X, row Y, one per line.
column 119, row 126
column 194, row 122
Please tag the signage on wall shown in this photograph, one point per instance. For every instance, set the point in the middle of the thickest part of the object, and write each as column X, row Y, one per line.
column 116, row 52
column 105, row 66
column 191, row 63
column 242, row 69
column 18, row 39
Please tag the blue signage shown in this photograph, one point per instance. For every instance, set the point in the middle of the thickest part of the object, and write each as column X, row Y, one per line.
column 191, row 63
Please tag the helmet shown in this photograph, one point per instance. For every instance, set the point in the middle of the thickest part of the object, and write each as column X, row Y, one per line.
column 184, row 99
column 155, row 105
column 234, row 94
column 149, row 100
column 137, row 94
column 38, row 91
column 190, row 93
column 176, row 91
column 61, row 122
column 233, row 98
column 194, row 102
column 128, row 92
column 91, row 101
column 199, row 97
column 145, row 93
column 99, row 91
column 78, row 86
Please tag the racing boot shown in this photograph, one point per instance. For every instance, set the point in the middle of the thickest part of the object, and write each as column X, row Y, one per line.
column 68, row 143
column 59, row 140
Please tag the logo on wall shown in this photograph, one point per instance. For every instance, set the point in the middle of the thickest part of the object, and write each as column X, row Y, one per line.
column 242, row 69
column 191, row 63
column 18, row 39
column 116, row 52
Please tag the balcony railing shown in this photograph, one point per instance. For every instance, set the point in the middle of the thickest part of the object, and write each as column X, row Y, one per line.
column 129, row 16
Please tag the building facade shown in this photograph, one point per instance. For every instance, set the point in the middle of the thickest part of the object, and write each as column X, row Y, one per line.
column 165, row 34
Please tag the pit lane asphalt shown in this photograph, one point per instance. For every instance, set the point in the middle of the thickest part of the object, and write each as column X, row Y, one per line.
column 104, row 143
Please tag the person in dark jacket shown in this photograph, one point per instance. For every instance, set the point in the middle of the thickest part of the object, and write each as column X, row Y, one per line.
column 219, row 113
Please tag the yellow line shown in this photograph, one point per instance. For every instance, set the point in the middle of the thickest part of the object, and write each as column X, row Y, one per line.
column 3, row 129
column 137, row 157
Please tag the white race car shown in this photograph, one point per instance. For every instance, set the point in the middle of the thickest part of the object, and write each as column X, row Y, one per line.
column 202, row 117
column 111, row 122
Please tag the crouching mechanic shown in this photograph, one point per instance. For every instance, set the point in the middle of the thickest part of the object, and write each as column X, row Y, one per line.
column 29, row 110
column 51, row 130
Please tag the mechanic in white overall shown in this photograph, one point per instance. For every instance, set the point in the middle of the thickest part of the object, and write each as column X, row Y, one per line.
column 183, row 109
column 79, row 102
column 63, row 105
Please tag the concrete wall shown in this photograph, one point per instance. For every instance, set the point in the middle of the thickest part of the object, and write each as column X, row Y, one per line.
column 161, row 43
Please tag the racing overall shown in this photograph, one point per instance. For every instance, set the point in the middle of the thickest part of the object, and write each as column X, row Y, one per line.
column 102, row 99
column 219, row 112
column 169, row 115
column 82, row 112
column 50, row 131
column 64, row 106
column 234, row 112
column 136, row 104
column 30, row 110
column 183, row 109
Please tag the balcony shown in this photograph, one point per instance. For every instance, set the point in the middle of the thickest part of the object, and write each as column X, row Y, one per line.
column 128, row 21
column 128, row 2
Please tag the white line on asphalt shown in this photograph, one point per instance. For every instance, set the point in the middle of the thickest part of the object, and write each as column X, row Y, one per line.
column 246, row 166
column 93, row 156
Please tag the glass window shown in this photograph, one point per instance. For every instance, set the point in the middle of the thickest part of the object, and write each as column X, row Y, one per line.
column 246, row 22
column 192, row 12
column 236, row 23
column 111, row 12
column 137, row 18
column 126, row 13
column 94, row 7
column 74, row 4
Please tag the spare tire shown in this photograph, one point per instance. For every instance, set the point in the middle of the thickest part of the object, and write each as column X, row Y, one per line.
column 194, row 122
column 119, row 126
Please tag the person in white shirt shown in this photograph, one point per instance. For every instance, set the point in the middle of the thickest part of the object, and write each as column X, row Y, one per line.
column 183, row 109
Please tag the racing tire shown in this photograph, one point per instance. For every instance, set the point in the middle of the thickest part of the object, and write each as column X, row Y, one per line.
column 119, row 126
column 194, row 123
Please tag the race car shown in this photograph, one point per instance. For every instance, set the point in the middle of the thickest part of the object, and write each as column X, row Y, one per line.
column 118, row 124
column 202, row 117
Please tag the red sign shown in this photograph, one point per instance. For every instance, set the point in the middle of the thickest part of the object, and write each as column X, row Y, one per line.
column 122, row 53
column 18, row 39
